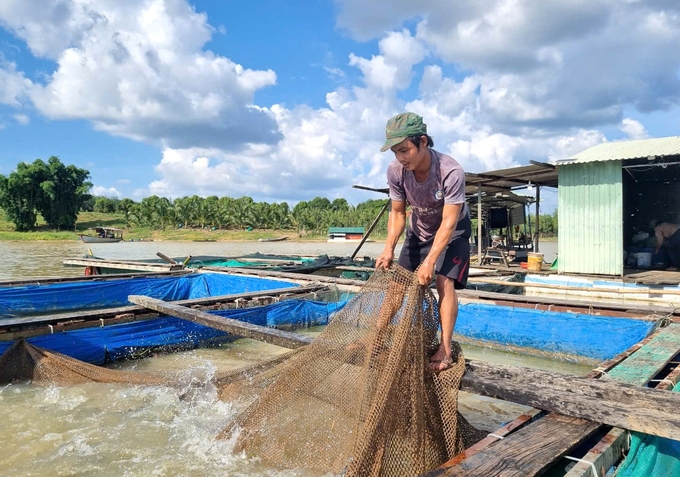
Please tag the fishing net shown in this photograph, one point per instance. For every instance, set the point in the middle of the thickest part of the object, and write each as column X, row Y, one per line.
column 360, row 400
column 24, row 362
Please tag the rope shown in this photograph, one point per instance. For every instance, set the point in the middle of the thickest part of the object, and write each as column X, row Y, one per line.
column 601, row 370
column 664, row 380
column 591, row 464
column 495, row 435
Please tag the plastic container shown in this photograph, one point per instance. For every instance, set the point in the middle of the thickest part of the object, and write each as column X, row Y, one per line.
column 523, row 264
column 644, row 259
column 535, row 261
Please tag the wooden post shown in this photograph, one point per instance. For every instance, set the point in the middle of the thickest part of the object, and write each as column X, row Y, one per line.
column 166, row 258
column 479, row 224
column 370, row 229
column 261, row 333
column 538, row 228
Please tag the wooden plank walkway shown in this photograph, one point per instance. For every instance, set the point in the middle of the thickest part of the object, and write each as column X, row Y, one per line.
column 645, row 363
column 529, row 451
column 500, row 459
column 537, row 301
column 654, row 277
column 123, row 264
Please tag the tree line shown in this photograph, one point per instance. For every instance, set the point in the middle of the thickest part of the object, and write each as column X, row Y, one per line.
column 59, row 192
column 306, row 217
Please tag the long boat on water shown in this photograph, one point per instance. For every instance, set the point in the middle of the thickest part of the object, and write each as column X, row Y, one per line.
column 102, row 235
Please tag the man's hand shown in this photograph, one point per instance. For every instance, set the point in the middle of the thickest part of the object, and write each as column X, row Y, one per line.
column 385, row 259
column 425, row 273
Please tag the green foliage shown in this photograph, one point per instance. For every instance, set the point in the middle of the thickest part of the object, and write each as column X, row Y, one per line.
column 107, row 205
column 64, row 189
column 53, row 190
column 547, row 224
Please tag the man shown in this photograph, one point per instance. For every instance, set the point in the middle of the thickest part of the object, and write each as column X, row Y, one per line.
column 439, row 227
column 669, row 235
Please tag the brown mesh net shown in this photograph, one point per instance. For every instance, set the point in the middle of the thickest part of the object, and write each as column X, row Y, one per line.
column 24, row 362
column 359, row 400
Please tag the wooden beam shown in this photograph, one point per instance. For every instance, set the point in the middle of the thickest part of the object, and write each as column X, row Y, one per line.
column 493, row 437
column 356, row 285
column 166, row 258
column 650, row 411
column 592, row 307
column 528, row 453
column 122, row 264
column 261, row 333
column 353, row 285
column 553, row 286
column 89, row 278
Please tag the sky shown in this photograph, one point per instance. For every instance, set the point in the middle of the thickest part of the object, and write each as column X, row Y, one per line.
column 287, row 101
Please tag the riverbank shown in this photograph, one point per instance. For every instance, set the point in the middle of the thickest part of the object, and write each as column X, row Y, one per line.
column 87, row 220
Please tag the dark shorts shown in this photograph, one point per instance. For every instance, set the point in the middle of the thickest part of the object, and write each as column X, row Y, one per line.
column 454, row 262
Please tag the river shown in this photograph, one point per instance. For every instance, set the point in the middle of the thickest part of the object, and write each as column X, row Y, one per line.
column 31, row 259
column 116, row 430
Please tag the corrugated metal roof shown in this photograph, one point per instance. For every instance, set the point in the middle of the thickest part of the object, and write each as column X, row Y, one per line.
column 622, row 150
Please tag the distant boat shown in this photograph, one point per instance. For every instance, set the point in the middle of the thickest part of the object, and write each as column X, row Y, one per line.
column 102, row 235
column 346, row 234
column 275, row 239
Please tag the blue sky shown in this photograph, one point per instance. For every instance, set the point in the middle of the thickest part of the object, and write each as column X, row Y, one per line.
column 288, row 100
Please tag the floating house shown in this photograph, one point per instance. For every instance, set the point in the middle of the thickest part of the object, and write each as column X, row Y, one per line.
column 610, row 194
column 345, row 234
column 609, row 198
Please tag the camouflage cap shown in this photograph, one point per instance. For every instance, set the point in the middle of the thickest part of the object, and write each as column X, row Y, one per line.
column 402, row 126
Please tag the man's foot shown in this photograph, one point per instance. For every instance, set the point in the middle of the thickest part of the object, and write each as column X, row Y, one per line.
column 437, row 365
column 441, row 359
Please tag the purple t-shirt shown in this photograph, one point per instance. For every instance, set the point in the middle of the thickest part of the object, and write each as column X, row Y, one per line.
column 445, row 184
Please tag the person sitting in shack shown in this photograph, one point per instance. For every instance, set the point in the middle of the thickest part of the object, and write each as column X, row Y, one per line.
column 668, row 236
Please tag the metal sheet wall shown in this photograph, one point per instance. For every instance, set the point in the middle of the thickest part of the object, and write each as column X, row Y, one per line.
column 590, row 204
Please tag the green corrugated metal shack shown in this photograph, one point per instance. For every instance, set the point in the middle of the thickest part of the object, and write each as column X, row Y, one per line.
column 611, row 192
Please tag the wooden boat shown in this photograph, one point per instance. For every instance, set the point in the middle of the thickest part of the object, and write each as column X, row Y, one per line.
column 274, row 239
column 323, row 264
column 102, row 235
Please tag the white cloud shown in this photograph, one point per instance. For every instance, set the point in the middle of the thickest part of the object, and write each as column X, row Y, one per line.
column 139, row 70
column 633, row 129
column 102, row 191
column 22, row 119
column 14, row 86
column 544, row 64
column 499, row 82
column 392, row 69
